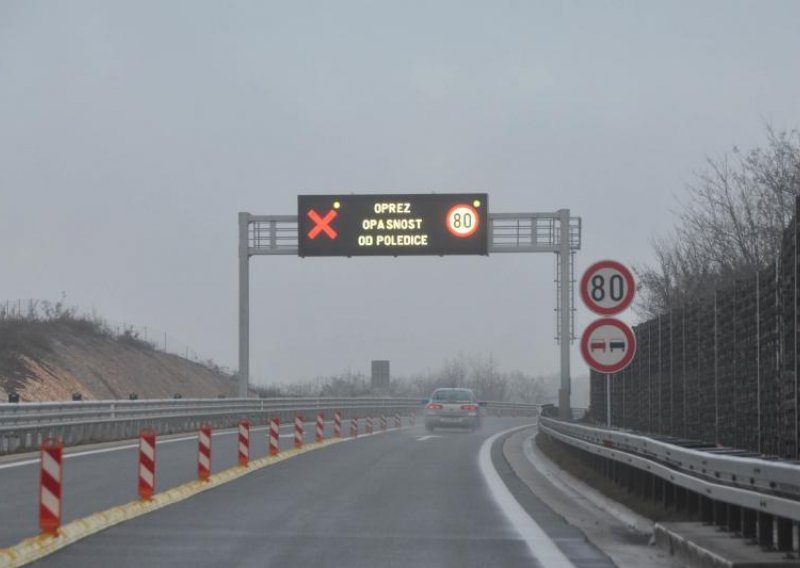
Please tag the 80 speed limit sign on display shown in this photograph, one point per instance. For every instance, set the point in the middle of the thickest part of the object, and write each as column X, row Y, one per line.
column 462, row 220
column 607, row 287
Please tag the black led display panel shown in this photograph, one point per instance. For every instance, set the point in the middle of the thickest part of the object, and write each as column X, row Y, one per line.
column 393, row 225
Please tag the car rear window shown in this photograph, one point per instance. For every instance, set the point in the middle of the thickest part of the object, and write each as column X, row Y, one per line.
column 452, row 395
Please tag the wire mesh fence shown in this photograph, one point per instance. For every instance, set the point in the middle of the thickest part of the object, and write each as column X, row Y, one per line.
column 722, row 369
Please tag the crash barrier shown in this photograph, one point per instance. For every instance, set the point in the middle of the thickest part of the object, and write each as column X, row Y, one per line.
column 320, row 435
column 50, row 486
column 147, row 464
column 739, row 491
column 298, row 432
column 274, row 436
column 244, row 443
column 354, row 427
column 204, row 452
column 337, row 424
column 24, row 426
column 51, row 454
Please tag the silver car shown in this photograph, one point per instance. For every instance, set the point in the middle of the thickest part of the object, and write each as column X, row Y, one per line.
column 452, row 407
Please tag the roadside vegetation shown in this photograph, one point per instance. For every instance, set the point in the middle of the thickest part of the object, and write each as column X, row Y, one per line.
column 728, row 225
column 26, row 331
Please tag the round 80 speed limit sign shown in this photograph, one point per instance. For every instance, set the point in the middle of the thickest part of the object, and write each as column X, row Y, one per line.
column 462, row 220
column 607, row 287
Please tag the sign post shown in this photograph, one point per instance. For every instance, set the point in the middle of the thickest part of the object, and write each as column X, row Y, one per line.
column 608, row 345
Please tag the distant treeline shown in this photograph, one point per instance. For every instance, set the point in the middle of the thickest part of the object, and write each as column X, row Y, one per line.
column 481, row 374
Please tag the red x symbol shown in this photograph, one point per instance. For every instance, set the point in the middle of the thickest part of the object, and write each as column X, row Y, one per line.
column 322, row 224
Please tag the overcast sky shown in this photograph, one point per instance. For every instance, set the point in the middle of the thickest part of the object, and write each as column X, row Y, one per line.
column 131, row 134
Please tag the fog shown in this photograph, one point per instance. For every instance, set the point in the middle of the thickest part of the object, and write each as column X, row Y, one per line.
column 132, row 133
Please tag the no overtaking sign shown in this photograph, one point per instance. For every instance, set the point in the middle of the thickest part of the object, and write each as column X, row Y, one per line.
column 607, row 288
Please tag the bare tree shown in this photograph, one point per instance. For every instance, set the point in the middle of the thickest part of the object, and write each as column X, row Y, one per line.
column 729, row 225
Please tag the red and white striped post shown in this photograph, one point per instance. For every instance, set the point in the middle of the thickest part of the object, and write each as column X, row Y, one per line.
column 320, row 427
column 369, row 424
column 204, row 452
column 354, row 427
column 244, row 443
column 50, row 486
column 274, row 436
column 383, row 423
column 147, row 464
column 337, row 424
column 298, row 431
column 398, row 421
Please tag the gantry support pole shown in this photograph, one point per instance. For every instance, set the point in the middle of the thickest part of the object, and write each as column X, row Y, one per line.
column 565, row 337
column 244, row 305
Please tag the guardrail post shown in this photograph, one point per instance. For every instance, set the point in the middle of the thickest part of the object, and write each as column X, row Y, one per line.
column 734, row 519
column 647, row 485
column 383, row 423
column 354, row 427
column 681, row 496
column 692, row 503
column 50, row 480
column 337, row 424
column 369, row 424
column 669, row 495
column 785, row 534
column 749, row 524
column 298, row 431
column 147, row 464
column 320, row 427
column 706, row 510
column 398, row 422
column 204, row 452
column 244, row 443
column 765, row 529
column 720, row 514
column 658, row 489
column 274, row 436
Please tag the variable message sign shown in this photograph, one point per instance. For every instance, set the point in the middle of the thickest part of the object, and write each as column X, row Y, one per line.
column 393, row 225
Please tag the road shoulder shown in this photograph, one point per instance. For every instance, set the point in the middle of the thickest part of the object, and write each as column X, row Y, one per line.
column 623, row 536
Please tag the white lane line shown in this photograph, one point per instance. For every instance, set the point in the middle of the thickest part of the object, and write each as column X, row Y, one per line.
column 540, row 545
column 423, row 438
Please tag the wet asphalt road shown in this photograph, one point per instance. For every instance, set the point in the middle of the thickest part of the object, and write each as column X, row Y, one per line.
column 405, row 498
column 100, row 477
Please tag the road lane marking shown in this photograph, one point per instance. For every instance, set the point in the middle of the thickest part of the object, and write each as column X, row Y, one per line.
column 540, row 545
column 423, row 438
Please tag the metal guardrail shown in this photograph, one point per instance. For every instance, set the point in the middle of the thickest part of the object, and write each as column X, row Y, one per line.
column 721, row 474
column 24, row 426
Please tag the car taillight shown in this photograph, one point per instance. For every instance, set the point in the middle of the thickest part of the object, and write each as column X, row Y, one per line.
column 469, row 407
column 434, row 406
